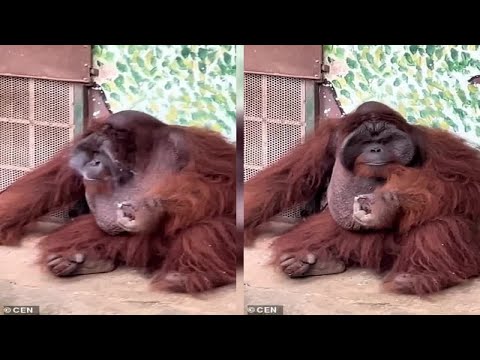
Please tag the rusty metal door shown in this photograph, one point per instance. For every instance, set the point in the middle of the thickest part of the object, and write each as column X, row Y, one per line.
column 42, row 103
column 280, row 96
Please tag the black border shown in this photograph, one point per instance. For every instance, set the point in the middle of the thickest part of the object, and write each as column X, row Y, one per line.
column 244, row 23
column 307, row 336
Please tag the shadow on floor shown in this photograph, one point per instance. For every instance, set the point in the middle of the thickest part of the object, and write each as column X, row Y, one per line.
column 124, row 291
column 352, row 292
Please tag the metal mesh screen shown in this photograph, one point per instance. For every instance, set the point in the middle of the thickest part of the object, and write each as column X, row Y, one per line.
column 275, row 122
column 36, row 120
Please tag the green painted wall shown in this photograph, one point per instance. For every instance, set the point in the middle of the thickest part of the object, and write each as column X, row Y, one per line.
column 180, row 84
column 428, row 84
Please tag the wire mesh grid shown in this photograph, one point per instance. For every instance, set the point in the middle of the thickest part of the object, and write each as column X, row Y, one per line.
column 36, row 121
column 274, row 123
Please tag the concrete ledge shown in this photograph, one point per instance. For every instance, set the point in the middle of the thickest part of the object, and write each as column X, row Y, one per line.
column 353, row 292
column 124, row 291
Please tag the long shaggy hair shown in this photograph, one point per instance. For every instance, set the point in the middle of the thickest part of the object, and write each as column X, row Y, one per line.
column 436, row 243
column 196, row 244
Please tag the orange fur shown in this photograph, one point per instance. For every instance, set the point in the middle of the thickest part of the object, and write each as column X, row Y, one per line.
column 50, row 187
column 293, row 179
column 436, row 244
column 199, row 238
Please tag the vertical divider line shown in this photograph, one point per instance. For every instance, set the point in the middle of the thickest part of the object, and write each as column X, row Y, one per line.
column 239, row 51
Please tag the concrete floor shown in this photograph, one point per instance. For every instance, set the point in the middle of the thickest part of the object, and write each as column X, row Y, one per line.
column 352, row 292
column 124, row 291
